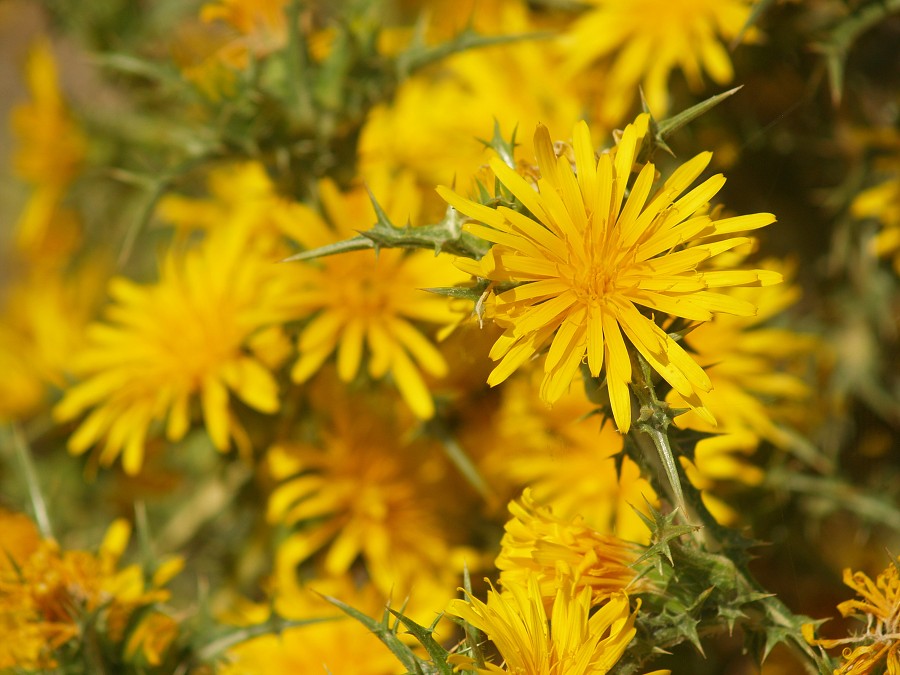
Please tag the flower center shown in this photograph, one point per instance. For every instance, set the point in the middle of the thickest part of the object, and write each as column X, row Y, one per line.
column 592, row 284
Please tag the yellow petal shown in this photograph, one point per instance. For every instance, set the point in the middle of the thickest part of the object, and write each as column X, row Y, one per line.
column 214, row 401
column 411, row 385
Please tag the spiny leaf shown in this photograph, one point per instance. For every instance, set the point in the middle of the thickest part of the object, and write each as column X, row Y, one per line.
column 473, row 635
column 505, row 150
column 424, row 635
column 670, row 125
column 404, row 654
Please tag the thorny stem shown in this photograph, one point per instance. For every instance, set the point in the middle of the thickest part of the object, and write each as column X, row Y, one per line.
column 654, row 421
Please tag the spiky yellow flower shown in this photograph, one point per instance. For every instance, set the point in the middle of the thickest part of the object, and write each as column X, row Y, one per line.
column 537, row 542
column 570, row 640
column 47, row 593
column 878, row 607
column 367, row 303
column 188, row 335
column 642, row 41
column 588, row 258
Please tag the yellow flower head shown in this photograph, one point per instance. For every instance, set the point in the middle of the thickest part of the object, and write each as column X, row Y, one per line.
column 564, row 454
column 587, row 258
column 360, row 492
column 878, row 607
column 42, row 325
column 52, row 148
column 643, row 41
column 363, row 300
column 570, row 640
column 46, row 593
column 537, row 542
column 432, row 126
column 188, row 335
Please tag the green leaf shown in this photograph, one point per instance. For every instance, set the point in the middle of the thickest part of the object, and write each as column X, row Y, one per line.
column 424, row 635
column 380, row 629
column 672, row 124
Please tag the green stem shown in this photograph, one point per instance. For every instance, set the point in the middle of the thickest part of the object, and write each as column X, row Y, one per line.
column 653, row 422
column 297, row 64
column 845, row 34
column 836, row 491
column 23, row 453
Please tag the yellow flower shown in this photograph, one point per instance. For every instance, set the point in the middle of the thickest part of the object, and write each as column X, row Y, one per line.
column 643, row 41
column 433, row 124
column 538, row 542
column 52, row 147
column 564, row 454
column 569, row 641
column 241, row 195
column 752, row 367
column 50, row 154
column 362, row 492
column 588, row 258
column 882, row 200
column 46, row 594
column 878, row 607
column 42, row 324
column 363, row 300
column 165, row 343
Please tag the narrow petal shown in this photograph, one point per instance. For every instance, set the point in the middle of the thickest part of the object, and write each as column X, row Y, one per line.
column 350, row 350
column 411, row 386
column 595, row 341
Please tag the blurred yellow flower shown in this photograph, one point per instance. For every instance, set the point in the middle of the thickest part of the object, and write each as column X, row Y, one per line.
column 642, row 41
column 42, row 322
column 878, row 607
column 364, row 491
column 260, row 26
column 569, row 640
column 882, row 200
column 187, row 335
column 51, row 152
column 46, row 593
column 564, row 454
column 243, row 196
column 363, row 299
column 434, row 126
column 538, row 542
column 754, row 371
column 589, row 258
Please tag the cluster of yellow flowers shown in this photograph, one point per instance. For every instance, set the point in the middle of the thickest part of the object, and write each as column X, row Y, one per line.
column 545, row 359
